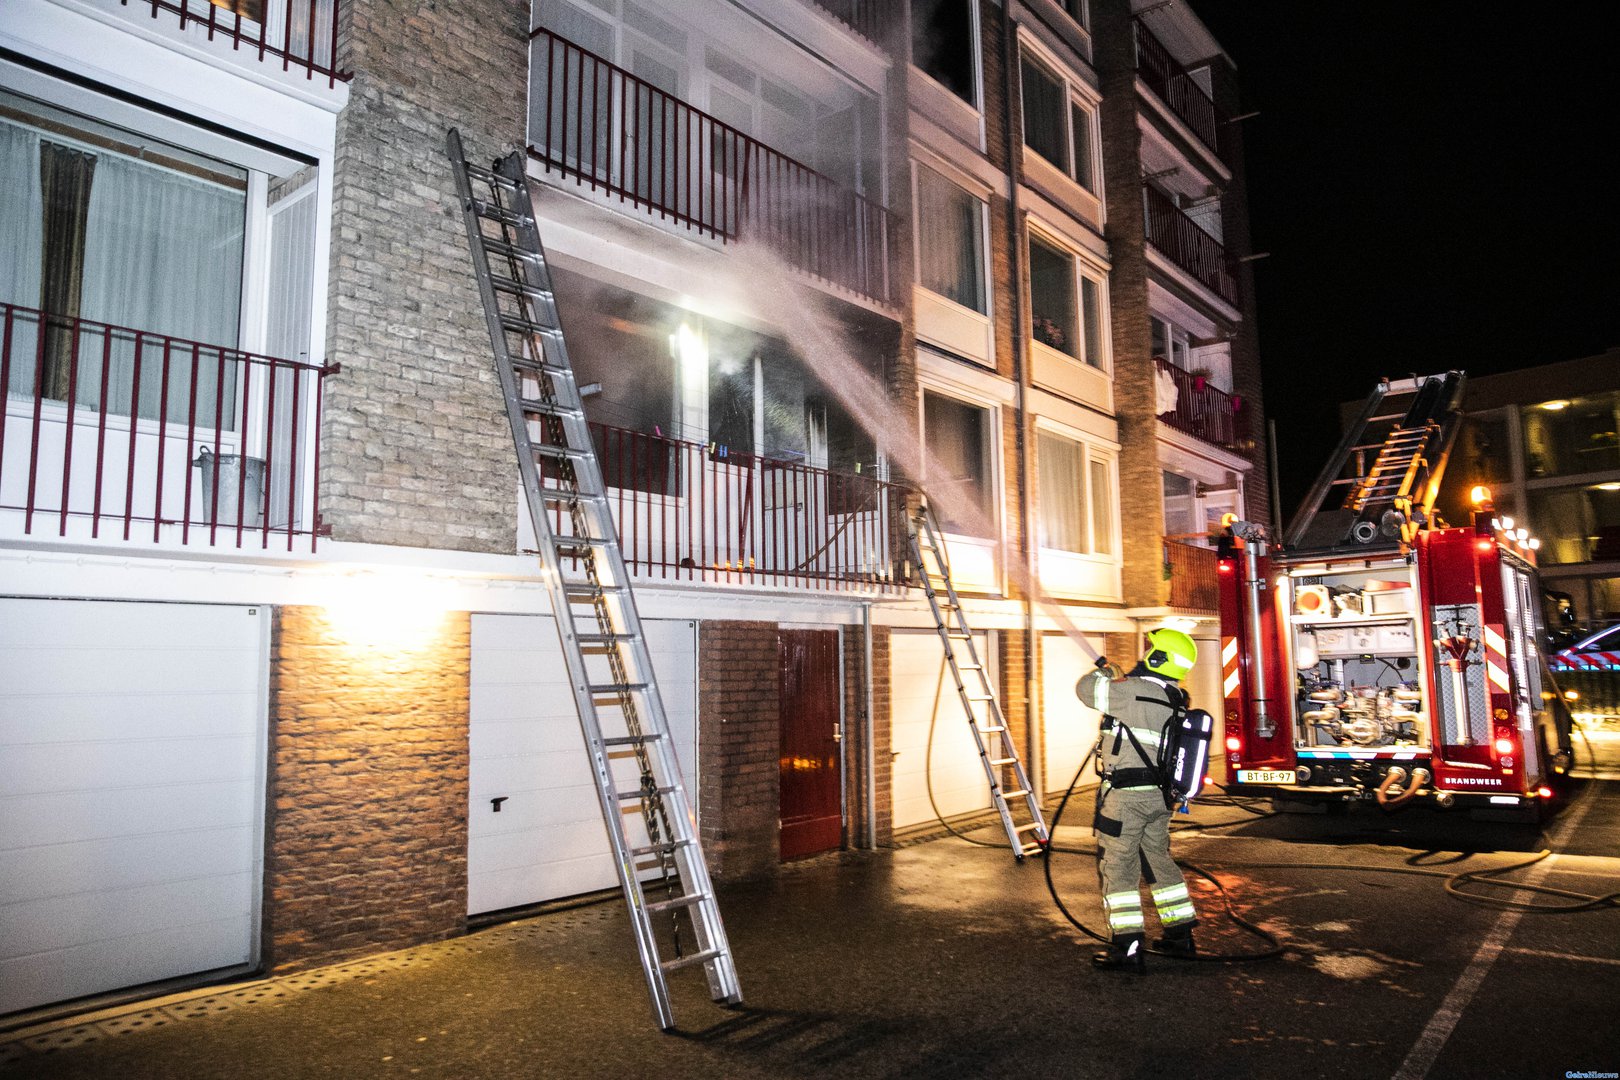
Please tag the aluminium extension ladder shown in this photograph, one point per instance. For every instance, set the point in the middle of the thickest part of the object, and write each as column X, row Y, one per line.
column 974, row 689
column 609, row 667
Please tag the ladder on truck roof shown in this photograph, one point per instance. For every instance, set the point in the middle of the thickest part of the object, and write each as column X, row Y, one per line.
column 610, row 669
column 1389, row 464
column 997, row 748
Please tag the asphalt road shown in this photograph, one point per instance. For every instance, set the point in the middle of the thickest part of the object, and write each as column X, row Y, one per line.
column 948, row 960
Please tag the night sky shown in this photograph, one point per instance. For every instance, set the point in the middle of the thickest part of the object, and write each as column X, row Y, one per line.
column 1429, row 181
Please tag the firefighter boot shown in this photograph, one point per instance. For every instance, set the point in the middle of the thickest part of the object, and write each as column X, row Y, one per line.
column 1124, row 953
column 1177, row 941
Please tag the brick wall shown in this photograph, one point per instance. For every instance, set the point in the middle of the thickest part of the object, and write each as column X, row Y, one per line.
column 366, row 828
column 739, row 740
column 414, row 445
column 1141, row 508
column 882, row 739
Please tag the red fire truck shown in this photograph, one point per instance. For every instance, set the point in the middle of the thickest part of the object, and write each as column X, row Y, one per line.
column 1375, row 654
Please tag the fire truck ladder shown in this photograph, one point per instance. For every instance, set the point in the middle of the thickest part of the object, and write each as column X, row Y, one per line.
column 974, row 689
column 609, row 667
column 1389, row 501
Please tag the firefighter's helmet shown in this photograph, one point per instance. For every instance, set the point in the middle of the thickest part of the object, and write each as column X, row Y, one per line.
column 1170, row 653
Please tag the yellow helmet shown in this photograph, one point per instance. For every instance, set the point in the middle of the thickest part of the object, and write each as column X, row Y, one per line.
column 1170, row 653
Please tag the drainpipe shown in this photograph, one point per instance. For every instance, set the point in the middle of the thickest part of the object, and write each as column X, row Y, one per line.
column 869, row 730
column 1009, row 64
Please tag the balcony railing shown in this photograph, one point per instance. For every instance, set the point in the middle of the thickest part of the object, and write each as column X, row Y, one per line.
column 689, row 511
column 1201, row 410
column 621, row 135
column 1176, row 87
column 1193, row 579
column 865, row 17
column 1185, row 243
column 294, row 34
column 112, row 432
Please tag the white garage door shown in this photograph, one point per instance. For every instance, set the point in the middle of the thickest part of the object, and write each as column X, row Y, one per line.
column 548, row 840
column 1071, row 728
column 131, row 793
column 919, row 684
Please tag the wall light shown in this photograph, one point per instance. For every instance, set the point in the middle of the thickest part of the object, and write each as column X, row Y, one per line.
column 1555, row 406
column 387, row 609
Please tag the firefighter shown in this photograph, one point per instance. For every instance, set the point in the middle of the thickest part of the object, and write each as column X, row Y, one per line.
column 1133, row 813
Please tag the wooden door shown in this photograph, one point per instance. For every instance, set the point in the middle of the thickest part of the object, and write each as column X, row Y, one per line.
column 809, row 763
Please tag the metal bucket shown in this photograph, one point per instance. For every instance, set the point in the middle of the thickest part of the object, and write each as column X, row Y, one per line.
column 219, row 505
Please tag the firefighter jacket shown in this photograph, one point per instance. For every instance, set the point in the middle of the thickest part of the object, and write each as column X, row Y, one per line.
column 1142, row 701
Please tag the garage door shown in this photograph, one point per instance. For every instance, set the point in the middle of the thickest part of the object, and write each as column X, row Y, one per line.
column 1071, row 728
column 131, row 793
column 547, row 839
column 919, row 684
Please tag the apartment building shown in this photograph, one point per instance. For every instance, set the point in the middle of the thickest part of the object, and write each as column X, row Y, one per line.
column 282, row 686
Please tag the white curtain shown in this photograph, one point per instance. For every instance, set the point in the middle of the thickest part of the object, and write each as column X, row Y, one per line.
column 1062, row 487
column 22, row 215
column 163, row 254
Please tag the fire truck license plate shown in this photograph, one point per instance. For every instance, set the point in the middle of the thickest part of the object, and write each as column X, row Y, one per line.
column 1266, row 776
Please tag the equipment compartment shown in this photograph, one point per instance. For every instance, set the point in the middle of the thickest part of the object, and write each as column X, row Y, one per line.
column 1358, row 656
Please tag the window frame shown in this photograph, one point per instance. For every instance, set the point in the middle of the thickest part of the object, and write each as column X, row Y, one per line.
column 1082, row 269
column 1092, row 455
column 994, row 488
column 1077, row 94
column 983, row 215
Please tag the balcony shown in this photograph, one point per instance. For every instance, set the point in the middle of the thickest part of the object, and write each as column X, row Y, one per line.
column 865, row 17
column 691, row 512
column 1200, row 409
column 1180, row 239
column 295, row 35
column 1176, row 88
column 1193, row 581
column 112, row 433
column 596, row 123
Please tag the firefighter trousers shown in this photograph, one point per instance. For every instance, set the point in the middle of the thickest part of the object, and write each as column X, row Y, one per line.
column 1133, row 828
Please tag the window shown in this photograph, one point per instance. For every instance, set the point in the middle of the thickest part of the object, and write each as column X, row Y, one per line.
column 1169, row 342
column 1060, row 473
column 1577, row 524
column 950, row 241
column 957, row 437
column 107, row 225
column 1566, row 436
column 1065, row 303
column 1180, row 506
column 1102, row 508
column 1057, row 123
column 1076, row 496
column 942, row 41
column 1079, row 11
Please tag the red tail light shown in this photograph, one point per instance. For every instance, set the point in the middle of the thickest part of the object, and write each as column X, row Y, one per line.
column 1504, row 746
column 1544, row 791
column 1233, row 744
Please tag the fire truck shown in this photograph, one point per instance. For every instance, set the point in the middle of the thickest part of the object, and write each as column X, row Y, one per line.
column 1376, row 654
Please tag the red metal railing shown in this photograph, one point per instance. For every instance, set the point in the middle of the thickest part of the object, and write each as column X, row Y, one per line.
column 689, row 511
column 1186, row 244
column 1193, row 579
column 865, row 17
column 299, row 34
column 1201, row 410
column 108, row 427
column 1176, row 88
column 608, row 129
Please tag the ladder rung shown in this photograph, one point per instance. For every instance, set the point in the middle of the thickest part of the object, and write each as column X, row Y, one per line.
column 969, row 667
column 519, row 325
column 597, row 689
column 1031, row 827
column 493, row 246
column 641, row 793
column 678, row 902
column 559, row 453
column 687, row 961
column 1019, row 794
column 659, row 849
column 632, row 740
column 1003, row 761
column 954, row 636
column 603, row 639
column 564, row 495
column 584, row 590
column 550, row 408
column 518, row 288
column 979, row 697
column 485, row 209
column 992, row 730
column 489, row 176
